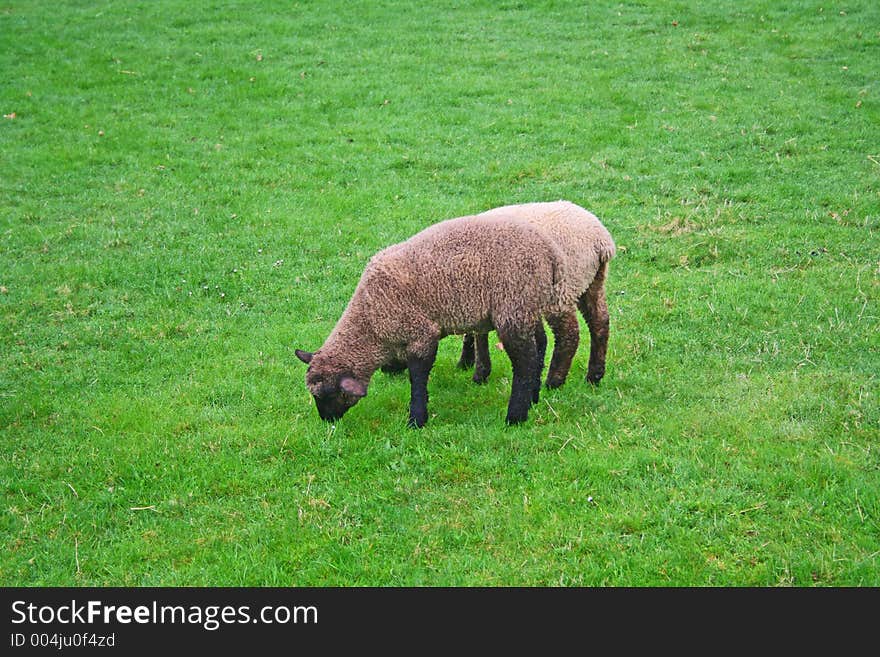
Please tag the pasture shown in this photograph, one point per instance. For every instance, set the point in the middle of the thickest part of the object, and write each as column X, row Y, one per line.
column 190, row 191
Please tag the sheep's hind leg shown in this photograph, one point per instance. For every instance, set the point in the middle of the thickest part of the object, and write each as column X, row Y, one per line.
column 540, row 354
column 595, row 310
column 522, row 350
column 566, row 336
column 467, row 352
column 419, row 365
column 483, row 362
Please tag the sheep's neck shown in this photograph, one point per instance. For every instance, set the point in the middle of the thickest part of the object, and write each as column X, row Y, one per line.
column 353, row 345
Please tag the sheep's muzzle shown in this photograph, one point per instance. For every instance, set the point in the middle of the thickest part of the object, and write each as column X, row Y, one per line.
column 331, row 408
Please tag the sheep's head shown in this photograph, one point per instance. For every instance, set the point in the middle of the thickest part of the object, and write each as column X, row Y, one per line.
column 334, row 391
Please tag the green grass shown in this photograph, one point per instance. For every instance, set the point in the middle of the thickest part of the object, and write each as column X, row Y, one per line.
column 190, row 191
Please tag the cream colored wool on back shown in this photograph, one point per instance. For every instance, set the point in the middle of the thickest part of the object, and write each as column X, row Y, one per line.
column 578, row 233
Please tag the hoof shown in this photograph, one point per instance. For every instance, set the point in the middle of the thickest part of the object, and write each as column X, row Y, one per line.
column 554, row 382
column 417, row 423
column 595, row 377
column 555, row 378
column 465, row 363
column 516, row 418
column 481, row 375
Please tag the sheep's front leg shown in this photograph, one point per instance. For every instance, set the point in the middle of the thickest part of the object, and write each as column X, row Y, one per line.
column 419, row 362
column 483, row 362
column 521, row 348
column 394, row 367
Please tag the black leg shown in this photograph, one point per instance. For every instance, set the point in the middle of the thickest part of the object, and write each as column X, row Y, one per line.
column 467, row 352
column 394, row 367
column 595, row 311
column 566, row 335
column 540, row 353
column 483, row 362
column 419, row 366
column 520, row 347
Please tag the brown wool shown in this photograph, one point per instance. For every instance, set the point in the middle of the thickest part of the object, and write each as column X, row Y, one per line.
column 504, row 269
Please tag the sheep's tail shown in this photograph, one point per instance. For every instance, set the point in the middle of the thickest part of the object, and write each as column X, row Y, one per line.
column 605, row 251
column 606, row 254
column 605, row 247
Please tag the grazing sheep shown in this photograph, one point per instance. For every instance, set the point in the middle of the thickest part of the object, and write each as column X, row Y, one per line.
column 465, row 275
column 564, row 223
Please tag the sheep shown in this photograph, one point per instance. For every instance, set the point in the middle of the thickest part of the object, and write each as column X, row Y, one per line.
column 563, row 224
column 466, row 275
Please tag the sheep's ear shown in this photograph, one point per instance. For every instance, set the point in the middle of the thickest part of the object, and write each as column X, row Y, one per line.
column 304, row 356
column 353, row 386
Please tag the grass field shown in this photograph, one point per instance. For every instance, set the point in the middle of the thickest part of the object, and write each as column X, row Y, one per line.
column 190, row 191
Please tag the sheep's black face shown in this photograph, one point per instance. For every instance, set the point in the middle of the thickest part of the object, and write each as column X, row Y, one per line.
column 334, row 393
column 331, row 407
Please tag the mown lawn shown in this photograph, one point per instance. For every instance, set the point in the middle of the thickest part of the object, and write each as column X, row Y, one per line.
column 189, row 191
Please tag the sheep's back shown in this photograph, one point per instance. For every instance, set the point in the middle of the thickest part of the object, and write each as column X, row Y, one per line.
column 578, row 233
column 471, row 273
